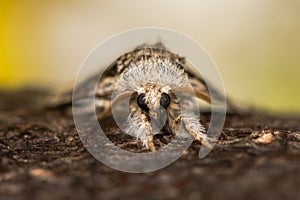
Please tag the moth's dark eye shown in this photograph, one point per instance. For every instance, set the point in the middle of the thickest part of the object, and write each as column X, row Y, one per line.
column 141, row 102
column 165, row 100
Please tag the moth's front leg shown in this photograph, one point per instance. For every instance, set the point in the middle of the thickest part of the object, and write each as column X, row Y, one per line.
column 196, row 129
column 138, row 125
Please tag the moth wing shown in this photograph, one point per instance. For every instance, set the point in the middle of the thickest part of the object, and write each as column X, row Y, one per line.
column 85, row 93
column 199, row 84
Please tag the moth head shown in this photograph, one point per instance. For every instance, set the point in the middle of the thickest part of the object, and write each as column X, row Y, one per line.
column 153, row 99
column 154, row 102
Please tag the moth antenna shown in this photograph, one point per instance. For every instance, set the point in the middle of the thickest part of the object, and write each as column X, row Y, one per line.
column 198, row 93
column 119, row 98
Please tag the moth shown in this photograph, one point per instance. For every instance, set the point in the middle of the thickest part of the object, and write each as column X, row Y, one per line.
column 151, row 77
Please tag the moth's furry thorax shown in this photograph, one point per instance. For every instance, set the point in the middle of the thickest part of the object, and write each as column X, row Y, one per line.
column 159, row 69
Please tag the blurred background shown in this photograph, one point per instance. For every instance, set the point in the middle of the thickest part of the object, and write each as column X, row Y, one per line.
column 255, row 44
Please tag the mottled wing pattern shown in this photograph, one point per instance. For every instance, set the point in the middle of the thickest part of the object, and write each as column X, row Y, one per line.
column 110, row 76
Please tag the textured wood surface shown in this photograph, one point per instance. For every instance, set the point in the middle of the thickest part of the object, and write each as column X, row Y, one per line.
column 42, row 157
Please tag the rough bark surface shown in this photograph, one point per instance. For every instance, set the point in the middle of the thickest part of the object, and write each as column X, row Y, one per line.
column 42, row 157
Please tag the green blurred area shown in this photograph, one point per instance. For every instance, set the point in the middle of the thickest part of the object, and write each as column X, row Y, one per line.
column 255, row 44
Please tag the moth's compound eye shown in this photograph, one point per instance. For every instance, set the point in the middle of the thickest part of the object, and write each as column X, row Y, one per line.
column 165, row 100
column 141, row 102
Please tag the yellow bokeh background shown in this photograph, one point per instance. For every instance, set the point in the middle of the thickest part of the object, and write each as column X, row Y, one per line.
column 255, row 44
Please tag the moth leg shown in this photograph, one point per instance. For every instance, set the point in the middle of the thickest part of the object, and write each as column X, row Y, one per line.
column 138, row 125
column 196, row 129
column 150, row 141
